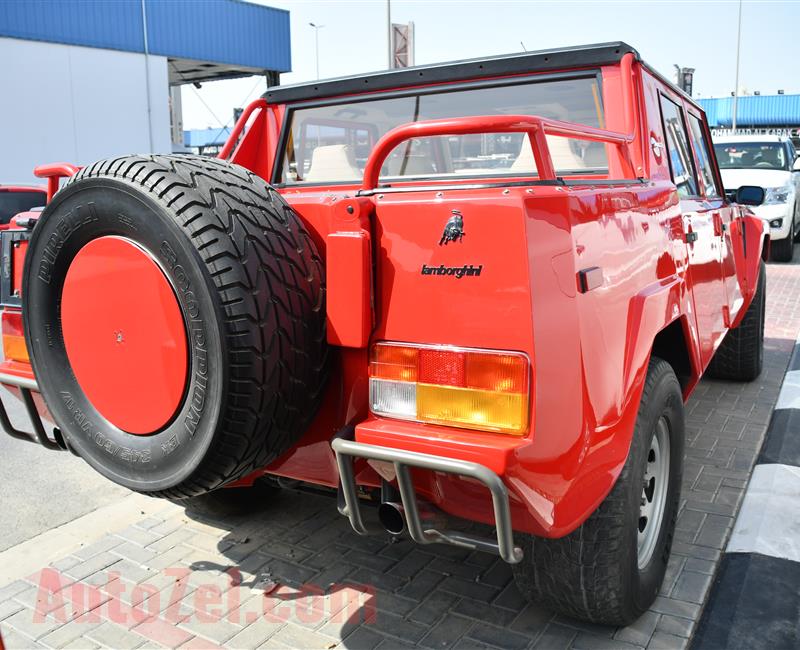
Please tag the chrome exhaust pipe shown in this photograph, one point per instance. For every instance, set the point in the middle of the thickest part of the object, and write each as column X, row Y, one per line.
column 392, row 517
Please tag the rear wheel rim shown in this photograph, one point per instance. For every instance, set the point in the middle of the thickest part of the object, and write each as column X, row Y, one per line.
column 654, row 493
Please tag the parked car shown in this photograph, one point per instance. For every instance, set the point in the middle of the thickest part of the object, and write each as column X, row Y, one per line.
column 19, row 198
column 480, row 290
column 772, row 163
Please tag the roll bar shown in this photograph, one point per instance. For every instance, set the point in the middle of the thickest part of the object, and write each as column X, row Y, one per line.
column 233, row 138
column 535, row 126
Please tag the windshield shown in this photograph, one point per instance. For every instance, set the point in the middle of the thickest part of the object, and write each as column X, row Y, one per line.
column 12, row 203
column 751, row 155
column 331, row 143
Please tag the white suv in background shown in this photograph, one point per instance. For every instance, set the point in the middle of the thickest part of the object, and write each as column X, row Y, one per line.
column 771, row 162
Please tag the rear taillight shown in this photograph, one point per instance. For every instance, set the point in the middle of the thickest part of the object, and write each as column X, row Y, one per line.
column 460, row 387
column 14, row 347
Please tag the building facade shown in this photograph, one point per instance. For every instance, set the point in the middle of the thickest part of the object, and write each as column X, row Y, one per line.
column 755, row 115
column 83, row 81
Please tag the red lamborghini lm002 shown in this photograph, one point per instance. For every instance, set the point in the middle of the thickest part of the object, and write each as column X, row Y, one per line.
column 472, row 291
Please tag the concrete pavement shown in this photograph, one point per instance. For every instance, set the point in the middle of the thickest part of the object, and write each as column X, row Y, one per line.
column 41, row 489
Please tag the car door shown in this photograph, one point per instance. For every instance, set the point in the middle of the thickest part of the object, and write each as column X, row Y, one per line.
column 702, row 225
column 722, row 212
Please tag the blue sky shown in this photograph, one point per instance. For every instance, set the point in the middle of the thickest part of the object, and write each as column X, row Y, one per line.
column 694, row 34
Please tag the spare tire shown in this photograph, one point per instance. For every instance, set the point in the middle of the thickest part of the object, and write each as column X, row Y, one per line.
column 174, row 313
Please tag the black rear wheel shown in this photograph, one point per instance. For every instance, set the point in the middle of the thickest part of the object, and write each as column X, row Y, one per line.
column 610, row 569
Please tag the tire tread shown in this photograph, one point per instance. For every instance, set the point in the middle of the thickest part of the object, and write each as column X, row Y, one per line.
column 270, row 285
column 582, row 575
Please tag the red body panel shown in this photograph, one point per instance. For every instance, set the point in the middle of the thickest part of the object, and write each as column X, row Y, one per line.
column 581, row 277
column 20, row 188
column 349, row 275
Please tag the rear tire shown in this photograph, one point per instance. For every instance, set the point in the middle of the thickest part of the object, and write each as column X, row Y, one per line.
column 740, row 356
column 247, row 282
column 594, row 573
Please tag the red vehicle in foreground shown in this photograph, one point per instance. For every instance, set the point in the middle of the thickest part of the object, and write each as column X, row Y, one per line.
column 19, row 198
column 479, row 291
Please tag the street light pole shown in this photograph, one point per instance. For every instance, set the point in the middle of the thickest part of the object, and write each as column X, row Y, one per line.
column 390, row 60
column 736, row 87
column 316, row 43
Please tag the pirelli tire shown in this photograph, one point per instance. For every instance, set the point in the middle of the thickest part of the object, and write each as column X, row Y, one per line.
column 249, row 283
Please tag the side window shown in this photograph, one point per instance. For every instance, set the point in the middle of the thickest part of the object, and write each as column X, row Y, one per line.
column 680, row 157
column 700, row 145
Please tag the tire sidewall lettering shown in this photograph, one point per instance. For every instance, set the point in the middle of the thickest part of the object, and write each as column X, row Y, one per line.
column 197, row 342
column 82, row 212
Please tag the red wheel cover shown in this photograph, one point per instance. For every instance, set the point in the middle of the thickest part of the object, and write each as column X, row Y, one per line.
column 124, row 334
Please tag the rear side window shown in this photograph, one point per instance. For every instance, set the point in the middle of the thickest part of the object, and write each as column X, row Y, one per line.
column 680, row 157
column 700, row 145
column 12, row 203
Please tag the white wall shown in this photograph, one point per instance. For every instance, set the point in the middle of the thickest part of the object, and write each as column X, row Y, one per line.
column 76, row 104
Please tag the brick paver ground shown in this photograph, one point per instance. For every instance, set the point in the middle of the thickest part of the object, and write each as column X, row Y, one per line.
column 295, row 575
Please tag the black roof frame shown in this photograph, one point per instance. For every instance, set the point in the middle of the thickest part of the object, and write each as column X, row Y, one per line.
column 588, row 56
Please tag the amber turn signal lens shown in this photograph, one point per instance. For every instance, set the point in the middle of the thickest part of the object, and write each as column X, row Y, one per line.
column 396, row 362
column 14, row 347
column 461, row 387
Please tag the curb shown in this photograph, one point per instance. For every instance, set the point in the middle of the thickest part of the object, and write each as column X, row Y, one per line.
column 31, row 555
column 755, row 599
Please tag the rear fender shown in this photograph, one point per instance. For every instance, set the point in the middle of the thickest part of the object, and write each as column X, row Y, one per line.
column 657, row 323
column 750, row 246
column 652, row 312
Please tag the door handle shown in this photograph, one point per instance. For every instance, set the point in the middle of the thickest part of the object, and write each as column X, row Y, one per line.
column 691, row 237
column 719, row 226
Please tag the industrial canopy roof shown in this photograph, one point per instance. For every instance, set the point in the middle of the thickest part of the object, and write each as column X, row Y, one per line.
column 753, row 110
column 199, row 138
column 203, row 41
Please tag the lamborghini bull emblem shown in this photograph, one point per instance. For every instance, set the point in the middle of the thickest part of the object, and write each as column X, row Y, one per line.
column 453, row 229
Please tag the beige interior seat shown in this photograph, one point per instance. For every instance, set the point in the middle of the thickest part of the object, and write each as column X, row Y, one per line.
column 411, row 160
column 334, row 162
column 417, row 166
column 560, row 151
column 595, row 156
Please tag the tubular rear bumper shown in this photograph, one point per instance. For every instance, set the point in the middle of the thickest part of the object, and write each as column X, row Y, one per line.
column 347, row 450
column 14, row 378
